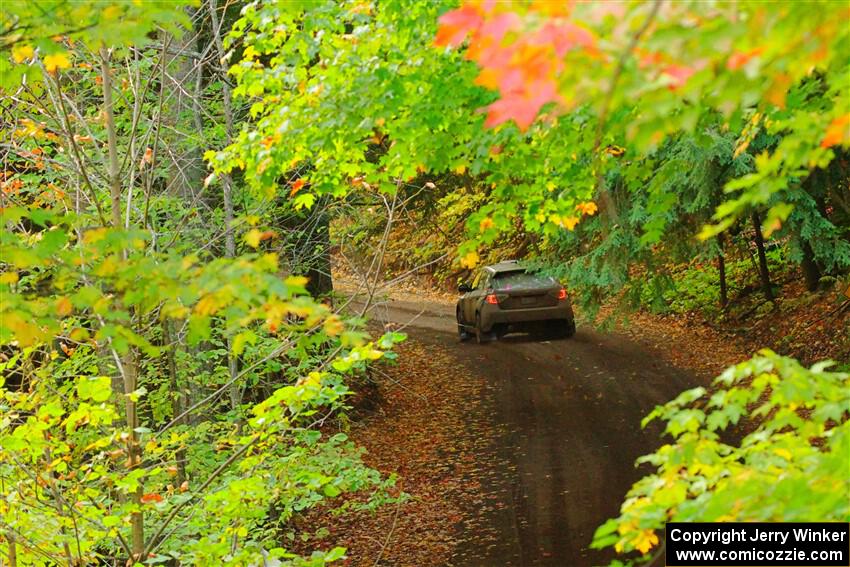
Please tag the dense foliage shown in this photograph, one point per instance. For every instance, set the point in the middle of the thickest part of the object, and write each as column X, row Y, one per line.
column 170, row 374
column 791, row 466
column 163, row 387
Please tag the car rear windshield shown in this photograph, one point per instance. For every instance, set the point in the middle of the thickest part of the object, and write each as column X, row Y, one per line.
column 514, row 280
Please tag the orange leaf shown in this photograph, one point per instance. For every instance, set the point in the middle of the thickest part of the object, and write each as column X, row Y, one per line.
column 649, row 58
column 838, row 132
column 151, row 497
column 741, row 58
column 296, row 187
column 778, row 90
column 588, row 208
column 63, row 306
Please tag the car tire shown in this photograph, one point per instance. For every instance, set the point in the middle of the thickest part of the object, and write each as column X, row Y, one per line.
column 480, row 336
column 566, row 328
column 462, row 333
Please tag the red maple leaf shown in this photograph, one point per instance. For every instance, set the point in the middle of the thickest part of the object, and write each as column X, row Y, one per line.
column 522, row 107
column 564, row 36
column 457, row 24
column 678, row 75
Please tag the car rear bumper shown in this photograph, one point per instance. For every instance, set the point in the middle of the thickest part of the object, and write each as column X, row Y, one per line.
column 492, row 315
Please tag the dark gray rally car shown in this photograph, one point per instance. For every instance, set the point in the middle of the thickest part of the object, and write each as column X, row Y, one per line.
column 505, row 298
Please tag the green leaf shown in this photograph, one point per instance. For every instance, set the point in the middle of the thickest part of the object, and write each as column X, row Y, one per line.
column 95, row 388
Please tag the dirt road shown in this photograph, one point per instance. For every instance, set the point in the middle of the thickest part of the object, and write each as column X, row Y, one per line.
column 567, row 421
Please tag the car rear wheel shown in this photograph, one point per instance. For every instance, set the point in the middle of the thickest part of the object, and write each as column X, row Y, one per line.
column 462, row 332
column 480, row 336
column 565, row 328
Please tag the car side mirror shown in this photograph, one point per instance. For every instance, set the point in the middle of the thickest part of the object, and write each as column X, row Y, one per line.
column 464, row 288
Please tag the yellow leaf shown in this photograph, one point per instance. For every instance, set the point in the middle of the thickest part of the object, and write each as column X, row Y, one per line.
column 565, row 222
column 645, row 540
column 253, row 237
column 79, row 334
column 784, row 453
column 297, row 281
column 206, row 306
column 56, row 61
column 112, row 12
column 94, row 235
column 108, row 267
column 485, row 224
column 461, row 169
column 20, row 53
column 626, row 527
column 9, row 277
column 25, row 333
column 470, row 260
column 333, row 326
column 618, row 547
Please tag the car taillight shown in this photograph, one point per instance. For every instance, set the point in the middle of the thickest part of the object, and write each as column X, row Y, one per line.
column 492, row 299
column 562, row 293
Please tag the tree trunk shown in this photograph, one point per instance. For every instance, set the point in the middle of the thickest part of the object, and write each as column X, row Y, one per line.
column 178, row 398
column 113, row 173
column 227, row 191
column 134, row 453
column 764, row 274
column 320, row 283
column 181, row 117
column 127, row 364
column 721, row 271
column 13, row 549
column 811, row 272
